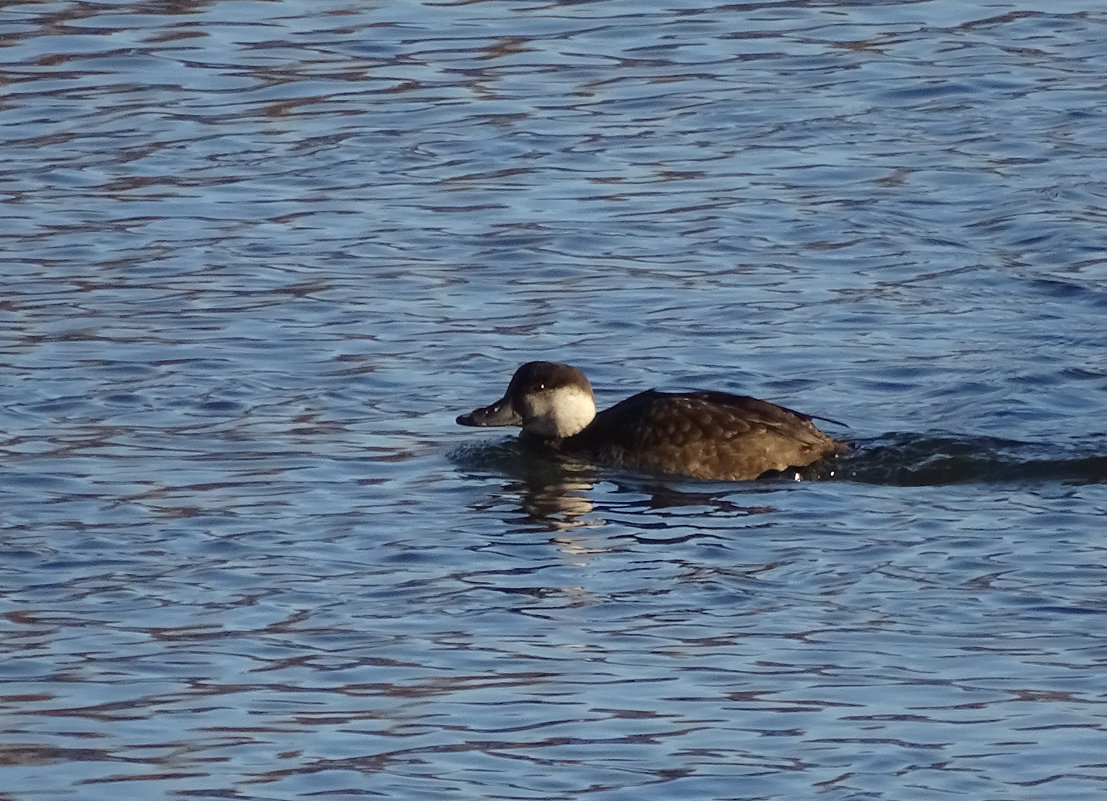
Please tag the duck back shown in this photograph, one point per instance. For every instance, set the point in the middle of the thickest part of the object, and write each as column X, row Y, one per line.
column 706, row 435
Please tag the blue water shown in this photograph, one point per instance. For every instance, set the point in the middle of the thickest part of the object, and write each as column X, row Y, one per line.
column 257, row 256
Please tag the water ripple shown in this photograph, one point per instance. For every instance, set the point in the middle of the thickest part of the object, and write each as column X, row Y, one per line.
column 259, row 254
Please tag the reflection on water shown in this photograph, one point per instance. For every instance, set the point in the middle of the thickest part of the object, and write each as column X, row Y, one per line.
column 257, row 255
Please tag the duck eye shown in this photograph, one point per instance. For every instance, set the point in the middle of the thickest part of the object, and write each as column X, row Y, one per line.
column 539, row 386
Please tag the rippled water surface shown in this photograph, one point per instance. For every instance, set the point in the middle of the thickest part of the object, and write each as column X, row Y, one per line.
column 258, row 255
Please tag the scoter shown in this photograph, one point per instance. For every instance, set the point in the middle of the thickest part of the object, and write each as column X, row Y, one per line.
column 704, row 434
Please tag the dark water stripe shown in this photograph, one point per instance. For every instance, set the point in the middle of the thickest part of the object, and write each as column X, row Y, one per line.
column 929, row 460
column 896, row 459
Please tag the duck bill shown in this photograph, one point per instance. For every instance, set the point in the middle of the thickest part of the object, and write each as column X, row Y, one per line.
column 499, row 413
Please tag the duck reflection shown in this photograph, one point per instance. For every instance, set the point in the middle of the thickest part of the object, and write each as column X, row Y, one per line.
column 557, row 492
column 551, row 492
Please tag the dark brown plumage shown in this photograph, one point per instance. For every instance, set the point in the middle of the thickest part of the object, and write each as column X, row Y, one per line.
column 706, row 435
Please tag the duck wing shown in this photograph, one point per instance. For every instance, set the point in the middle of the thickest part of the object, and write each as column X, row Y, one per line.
column 710, row 435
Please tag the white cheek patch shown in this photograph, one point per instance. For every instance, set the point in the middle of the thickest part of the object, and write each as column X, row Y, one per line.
column 575, row 410
column 560, row 413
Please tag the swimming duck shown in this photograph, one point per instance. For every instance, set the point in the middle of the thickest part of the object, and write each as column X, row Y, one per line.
column 705, row 434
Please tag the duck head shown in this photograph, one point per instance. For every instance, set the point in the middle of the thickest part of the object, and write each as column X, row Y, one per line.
column 548, row 400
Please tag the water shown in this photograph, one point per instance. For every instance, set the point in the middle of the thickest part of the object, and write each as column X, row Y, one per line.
column 257, row 256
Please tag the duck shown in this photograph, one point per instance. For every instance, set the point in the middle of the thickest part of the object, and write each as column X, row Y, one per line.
column 704, row 434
